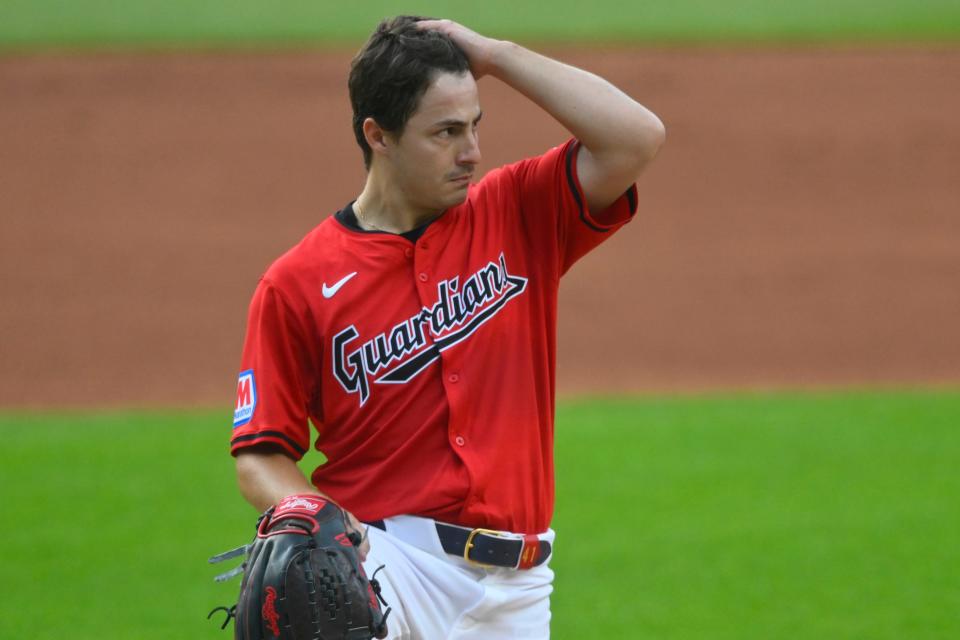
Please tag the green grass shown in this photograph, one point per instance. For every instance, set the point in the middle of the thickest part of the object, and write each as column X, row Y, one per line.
column 746, row 516
column 38, row 24
column 827, row 516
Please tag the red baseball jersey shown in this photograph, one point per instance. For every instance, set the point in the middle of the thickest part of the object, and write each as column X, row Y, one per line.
column 426, row 367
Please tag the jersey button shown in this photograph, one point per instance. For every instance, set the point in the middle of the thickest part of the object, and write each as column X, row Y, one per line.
column 454, row 378
column 423, row 277
column 460, row 440
column 408, row 252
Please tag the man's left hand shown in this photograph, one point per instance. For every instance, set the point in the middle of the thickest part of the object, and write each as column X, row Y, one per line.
column 479, row 49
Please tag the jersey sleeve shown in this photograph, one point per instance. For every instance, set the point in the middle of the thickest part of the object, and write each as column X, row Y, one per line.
column 554, row 208
column 275, row 382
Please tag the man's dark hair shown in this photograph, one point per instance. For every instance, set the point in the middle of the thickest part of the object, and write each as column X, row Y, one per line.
column 392, row 72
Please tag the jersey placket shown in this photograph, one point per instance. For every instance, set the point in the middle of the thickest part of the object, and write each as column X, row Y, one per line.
column 425, row 257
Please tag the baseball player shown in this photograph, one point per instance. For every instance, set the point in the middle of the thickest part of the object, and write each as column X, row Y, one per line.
column 416, row 327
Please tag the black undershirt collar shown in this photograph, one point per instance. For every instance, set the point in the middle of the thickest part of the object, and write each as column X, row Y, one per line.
column 348, row 218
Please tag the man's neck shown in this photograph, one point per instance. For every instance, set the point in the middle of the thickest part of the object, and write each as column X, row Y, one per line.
column 382, row 206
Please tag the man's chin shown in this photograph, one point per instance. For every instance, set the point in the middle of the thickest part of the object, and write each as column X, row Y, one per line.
column 457, row 197
column 448, row 198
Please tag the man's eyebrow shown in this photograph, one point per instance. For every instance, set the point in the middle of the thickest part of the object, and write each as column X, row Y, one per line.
column 453, row 122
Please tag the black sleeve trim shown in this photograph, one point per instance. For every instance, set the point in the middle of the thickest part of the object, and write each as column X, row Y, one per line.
column 575, row 189
column 251, row 437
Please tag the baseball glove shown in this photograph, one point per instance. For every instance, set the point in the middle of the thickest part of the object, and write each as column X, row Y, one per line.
column 302, row 578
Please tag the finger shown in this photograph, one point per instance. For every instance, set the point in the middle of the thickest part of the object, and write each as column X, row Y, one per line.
column 364, row 550
column 365, row 544
column 438, row 25
column 446, row 27
column 358, row 526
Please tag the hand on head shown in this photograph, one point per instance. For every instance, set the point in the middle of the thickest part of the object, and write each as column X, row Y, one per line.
column 478, row 49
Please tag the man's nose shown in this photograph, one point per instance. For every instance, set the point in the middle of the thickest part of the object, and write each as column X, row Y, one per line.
column 470, row 154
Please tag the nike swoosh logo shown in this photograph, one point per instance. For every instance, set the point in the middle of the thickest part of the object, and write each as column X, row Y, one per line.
column 329, row 292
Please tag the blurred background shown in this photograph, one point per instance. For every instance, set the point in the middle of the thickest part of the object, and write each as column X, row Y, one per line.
column 768, row 356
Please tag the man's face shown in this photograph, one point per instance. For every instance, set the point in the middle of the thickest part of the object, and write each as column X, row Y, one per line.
column 435, row 156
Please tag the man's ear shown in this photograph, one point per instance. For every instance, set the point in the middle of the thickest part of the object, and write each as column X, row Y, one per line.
column 376, row 136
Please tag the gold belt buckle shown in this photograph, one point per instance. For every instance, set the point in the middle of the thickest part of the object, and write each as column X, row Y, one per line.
column 467, row 547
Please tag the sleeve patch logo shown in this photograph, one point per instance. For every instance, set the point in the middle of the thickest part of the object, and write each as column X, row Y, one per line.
column 246, row 399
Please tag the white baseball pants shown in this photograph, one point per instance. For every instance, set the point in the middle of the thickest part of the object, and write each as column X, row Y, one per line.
column 437, row 596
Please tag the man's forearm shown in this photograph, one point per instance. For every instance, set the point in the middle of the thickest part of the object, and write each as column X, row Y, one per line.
column 619, row 136
column 601, row 116
column 266, row 478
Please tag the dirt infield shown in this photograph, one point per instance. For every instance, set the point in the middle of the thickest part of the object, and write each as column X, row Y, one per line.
column 801, row 227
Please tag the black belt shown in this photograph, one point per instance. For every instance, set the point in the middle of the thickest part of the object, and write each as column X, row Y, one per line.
column 486, row 547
